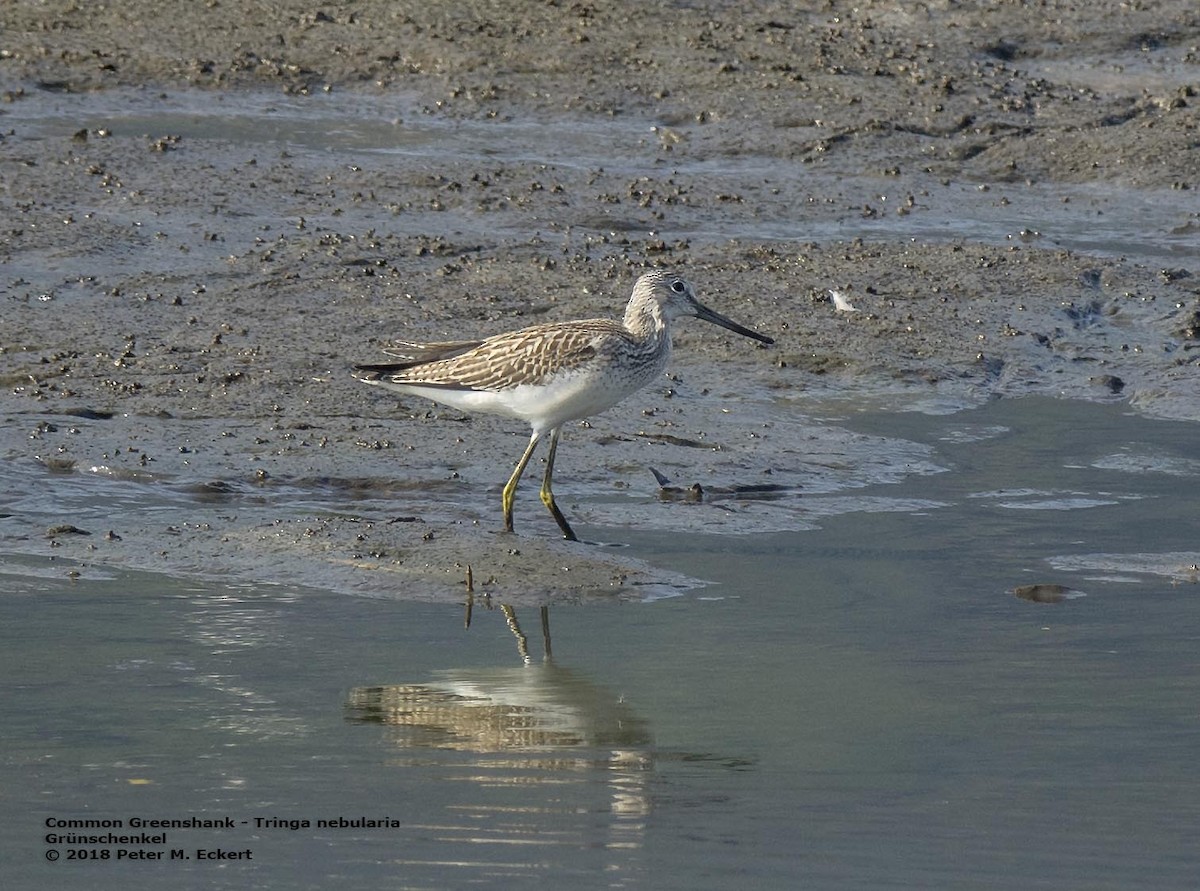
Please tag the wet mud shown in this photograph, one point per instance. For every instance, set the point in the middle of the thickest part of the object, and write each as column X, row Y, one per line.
column 205, row 221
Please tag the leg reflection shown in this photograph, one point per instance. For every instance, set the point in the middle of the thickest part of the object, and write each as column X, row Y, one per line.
column 510, row 616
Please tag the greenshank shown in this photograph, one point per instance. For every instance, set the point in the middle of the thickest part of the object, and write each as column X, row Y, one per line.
column 547, row 375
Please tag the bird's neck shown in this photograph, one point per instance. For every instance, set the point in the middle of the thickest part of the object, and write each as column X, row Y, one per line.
column 645, row 320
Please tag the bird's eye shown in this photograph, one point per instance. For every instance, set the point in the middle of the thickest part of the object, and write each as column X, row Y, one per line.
column 678, row 287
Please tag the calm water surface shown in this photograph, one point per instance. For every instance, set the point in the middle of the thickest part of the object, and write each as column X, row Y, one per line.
column 862, row 706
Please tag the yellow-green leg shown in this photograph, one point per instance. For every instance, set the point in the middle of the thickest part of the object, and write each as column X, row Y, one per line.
column 548, row 495
column 510, row 488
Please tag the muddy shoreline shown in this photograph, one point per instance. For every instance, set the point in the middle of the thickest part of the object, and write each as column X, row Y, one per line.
column 207, row 223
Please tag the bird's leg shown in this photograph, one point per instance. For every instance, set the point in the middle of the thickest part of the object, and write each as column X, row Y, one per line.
column 548, row 496
column 510, row 488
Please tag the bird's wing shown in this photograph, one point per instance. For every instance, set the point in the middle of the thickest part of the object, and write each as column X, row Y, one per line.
column 506, row 360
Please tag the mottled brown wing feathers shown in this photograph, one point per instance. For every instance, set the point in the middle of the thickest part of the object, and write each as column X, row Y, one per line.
column 507, row 360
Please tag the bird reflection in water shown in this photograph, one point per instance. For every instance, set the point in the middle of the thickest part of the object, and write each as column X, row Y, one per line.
column 538, row 704
column 543, row 754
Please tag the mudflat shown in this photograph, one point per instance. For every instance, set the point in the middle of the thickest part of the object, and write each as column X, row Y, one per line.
column 211, row 211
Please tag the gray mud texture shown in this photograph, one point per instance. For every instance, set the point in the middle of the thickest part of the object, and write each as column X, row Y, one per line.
column 208, row 212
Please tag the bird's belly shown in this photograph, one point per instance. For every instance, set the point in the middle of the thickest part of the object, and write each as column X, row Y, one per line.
column 570, row 396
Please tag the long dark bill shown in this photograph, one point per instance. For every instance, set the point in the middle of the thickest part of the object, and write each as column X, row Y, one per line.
column 708, row 315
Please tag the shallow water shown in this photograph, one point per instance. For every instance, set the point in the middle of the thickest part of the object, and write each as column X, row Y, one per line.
column 861, row 704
